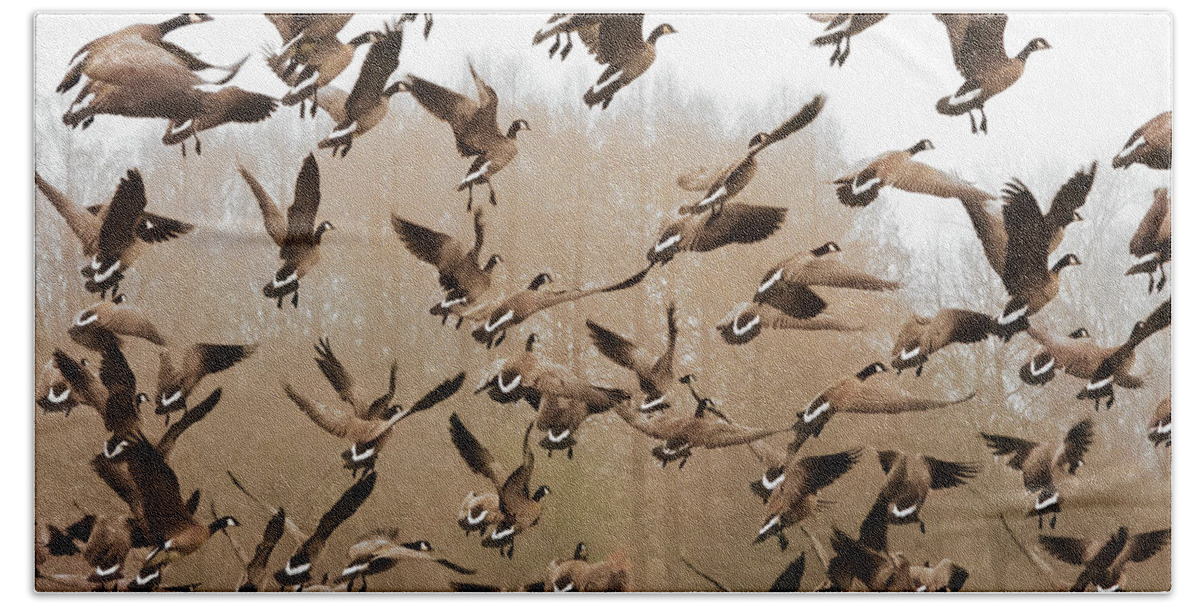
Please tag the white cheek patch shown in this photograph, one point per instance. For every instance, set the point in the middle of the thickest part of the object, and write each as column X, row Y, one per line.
column 570, row 587
column 1112, row 589
column 1149, row 257
column 667, row 242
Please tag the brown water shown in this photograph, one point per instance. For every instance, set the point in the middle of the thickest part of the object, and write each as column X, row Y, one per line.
column 583, row 201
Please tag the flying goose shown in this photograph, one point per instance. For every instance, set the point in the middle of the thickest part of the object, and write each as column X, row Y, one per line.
column 1149, row 145
column 580, row 574
column 116, row 317
column 173, row 528
column 475, row 127
column 519, row 509
column 495, row 321
column 679, row 434
column 65, row 383
column 840, row 29
column 175, row 384
column 919, row 336
column 381, row 550
column 866, row 392
column 616, row 43
column 1160, row 424
column 311, row 55
column 256, row 568
column 977, row 44
column 367, row 103
column 722, row 186
column 1043, row 465
column 791, row 496
column 134, row 72
column 121, row 408
column 747, row 320
column 367, row 424
column 1151, row 242
column 868, row 559
column 1076, row 354
column 463, row 281
column 1100, row 385
column 1030, row 283
column 298, row 569
column 299, row 244
column 1103, row 561
column 113, row 234
column 910, row 477
column 655, row 374
column 898, row 169
column 737, row 223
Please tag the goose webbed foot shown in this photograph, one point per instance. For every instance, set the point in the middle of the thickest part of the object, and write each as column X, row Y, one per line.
column 922, row 526
column 971, row 115
column 920, row 368
column 312, row 104
column 491, row 194
column 783, row 541
column 296, row 299
column 1053, row 520
column 983, row 120
column 458, row 323
column 845, row 52
column 570, row 453
column 554, row 47
column 837, row 50
column 1039, row 521
column 499, row 339
column 197, row 145
column 1162, row 281
column 567, row 49
column 683, row 462
column 470, row 196
column 183, row 148
column 87, row 122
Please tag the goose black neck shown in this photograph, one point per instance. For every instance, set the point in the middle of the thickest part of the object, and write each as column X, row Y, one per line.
column 173, row 23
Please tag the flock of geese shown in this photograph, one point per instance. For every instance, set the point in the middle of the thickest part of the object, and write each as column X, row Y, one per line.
column 135, row 72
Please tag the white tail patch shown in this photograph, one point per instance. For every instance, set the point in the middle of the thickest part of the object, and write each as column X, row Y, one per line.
column 767, row 284
column 116, row 451
column 355, row 568
column 507, row 388
column 771, row 484
column 356, row 457
column 1149, row 257
column 452, row 303
column 902, row 513
column 348, row 129
column 95, row 263
column 771, row 523
column 1037, row 371
column 294, row 570
column 58, row 397
column 82, row 103
column 107, row 571
column 712, row 197
column 969, row 96
column 1013, row 316
column 1114, row 588
column 607, row 81
column 857, row 187
column 1099, row 384
column 667, row 242
column 477, row 174
column 905, row 355
column 570, row 587
column 142, row 580
column 655, row 403
column 311, row 80
column 101, row 277
column 1042, row 504
column 559, row 437
column 291, row 278
column 86, row 317
column 476, row 519
column 922, row 589
column 1163, row 429
column 1133, row 146
column 739, row 330
column 671, row 452
column 811, row 413
column 173, row 398
column 179, row 128
column 491, row 326
column 502, row 534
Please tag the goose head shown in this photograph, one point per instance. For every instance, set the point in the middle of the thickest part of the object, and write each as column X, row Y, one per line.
column 1067, row 260
column 921, row 146
column 222, row 523
column 419, row 545
column 827, row 248
column 365, row 38
column 1082, row 332
column 1037, row 44
column 325, row 226
column 492, row 261
column 517, row 126
column 871, row 370
column 660, row 31
column 541, row 493
column 541, row 279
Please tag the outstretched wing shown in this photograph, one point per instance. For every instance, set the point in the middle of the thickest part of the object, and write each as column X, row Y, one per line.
column 477, row 457
column 738, row 223
column 798, row 121
column 620, row 37
column 1070, row 197
column 302, row 215
column 337, row 375
column 1028, row 240
column 277, row 226
column 128, row 203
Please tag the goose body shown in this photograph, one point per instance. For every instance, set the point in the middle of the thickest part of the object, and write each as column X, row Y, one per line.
column 655, row 374
column 789, row 490
column 1104, row 561
column 840, row 28
column 899, row 169
column 737, row 223
column 919, row 337
column 367, row 104
column 297, row 571
column 176, row 381
column 1116, row 365
column 1151, row 242
column 381, row 550
column 464, row 283
column 613, row 574
column 1160, row 424
column 311, row 55
column 1149, row 145
column 910, row 477
column 1043, row 466
column 616, row 43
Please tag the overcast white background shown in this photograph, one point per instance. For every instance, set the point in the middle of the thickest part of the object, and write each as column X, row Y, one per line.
column 723, row 60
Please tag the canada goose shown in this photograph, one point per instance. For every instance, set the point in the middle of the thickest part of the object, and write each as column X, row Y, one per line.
column 723, row 186
column 562, row 25
column 841, row 27
column 791, row 496
column 1103, row 561
column 898, row 169
column 679, row 434
column 747, row 320
column 175, row 384
column 737, row 223
column 298, row 569
column 1076, row 354
column 945, row 576
column 113, row 234
column 475, row 127
column 919, row 337
column 1100, row 385
column 1029, row 281
column 616, row 43
column 868, row 558
column 367, row 103
column 256, row 569
column 1160, row 424
column 173, row 529
column 311, row 55
column 1042, row 465
column 520, row 510
column 65, row 384
column 655, row 375
column 977, row 44
column 109, row 543
column 459, row 273
column 367, row 424
column 479, row 512
column 381, row 550
column 1151, row 242
column 494, row 322
column 1149, row 145
column 121, row 418
column 579, row 574
column 134, row 72
column 910, row 477
column 299, row 244
column 866, row 392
